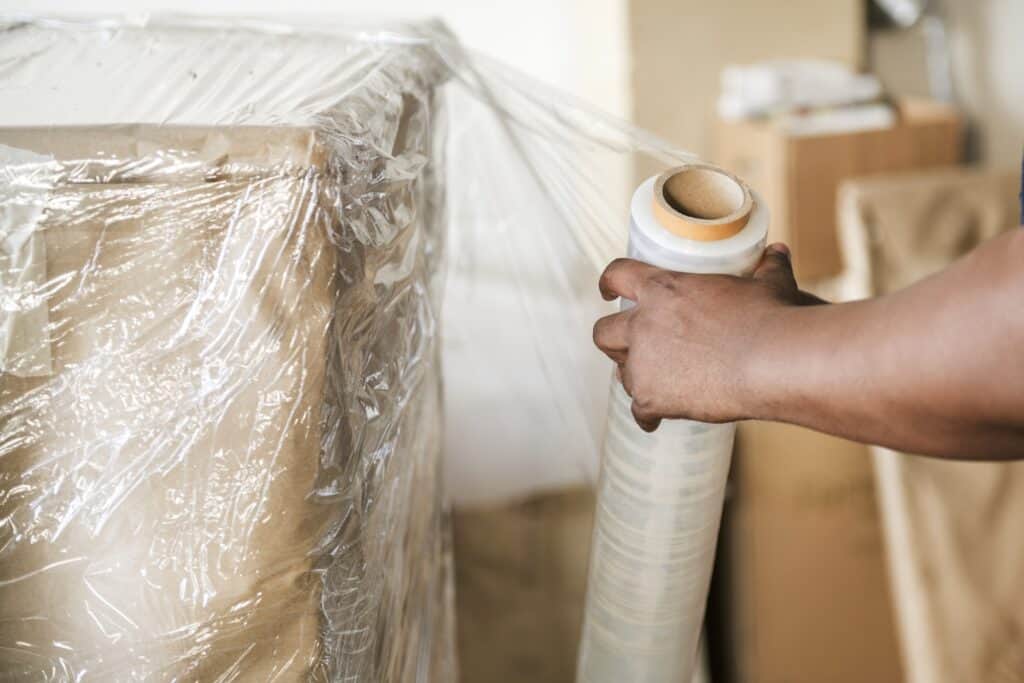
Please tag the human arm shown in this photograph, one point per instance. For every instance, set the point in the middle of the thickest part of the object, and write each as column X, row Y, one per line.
column 937, row 368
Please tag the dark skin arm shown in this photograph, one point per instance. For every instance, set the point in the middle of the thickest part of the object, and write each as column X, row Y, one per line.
column 936, row 368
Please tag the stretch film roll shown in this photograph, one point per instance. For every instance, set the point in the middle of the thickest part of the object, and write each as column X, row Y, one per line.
column 659, row 501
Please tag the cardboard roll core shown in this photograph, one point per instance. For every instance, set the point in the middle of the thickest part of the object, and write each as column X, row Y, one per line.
column 701, row 202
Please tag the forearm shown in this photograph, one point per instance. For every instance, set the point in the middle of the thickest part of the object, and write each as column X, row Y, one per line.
column 937, row 368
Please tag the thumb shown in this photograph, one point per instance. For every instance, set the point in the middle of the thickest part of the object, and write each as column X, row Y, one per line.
column 775, row 267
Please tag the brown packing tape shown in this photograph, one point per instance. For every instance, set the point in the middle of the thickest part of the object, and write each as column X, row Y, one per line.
column 701, row 202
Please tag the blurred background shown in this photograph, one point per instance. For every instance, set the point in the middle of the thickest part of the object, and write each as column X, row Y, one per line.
column 887, row 138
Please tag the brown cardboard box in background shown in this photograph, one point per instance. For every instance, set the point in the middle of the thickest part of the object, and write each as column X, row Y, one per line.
column 801, row 587
column 520, row 574
column 798, row 175
column 679, row 48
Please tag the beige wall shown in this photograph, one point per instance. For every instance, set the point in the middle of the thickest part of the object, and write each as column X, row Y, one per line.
column 680, row 46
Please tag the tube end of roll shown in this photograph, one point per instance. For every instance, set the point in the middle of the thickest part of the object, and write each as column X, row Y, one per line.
column 701, row 202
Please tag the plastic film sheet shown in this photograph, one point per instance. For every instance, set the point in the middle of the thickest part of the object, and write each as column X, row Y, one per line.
column 233, row 257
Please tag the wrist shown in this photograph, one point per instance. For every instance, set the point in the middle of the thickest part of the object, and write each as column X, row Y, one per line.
column 776, row 361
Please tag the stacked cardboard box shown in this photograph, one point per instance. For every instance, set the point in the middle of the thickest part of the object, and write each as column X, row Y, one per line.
column 798, row 175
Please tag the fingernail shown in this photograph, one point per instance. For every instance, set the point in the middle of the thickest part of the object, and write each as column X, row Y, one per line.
column 780, row 248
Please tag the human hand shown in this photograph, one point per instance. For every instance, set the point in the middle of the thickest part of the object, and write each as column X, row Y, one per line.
column 686, row 349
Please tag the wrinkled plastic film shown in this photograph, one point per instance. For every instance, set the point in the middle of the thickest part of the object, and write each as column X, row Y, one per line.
column 236, row 256
column 230, row 468
column 659, row 499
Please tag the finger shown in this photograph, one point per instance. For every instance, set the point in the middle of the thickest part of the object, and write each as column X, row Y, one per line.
column 622, row 373
column 648, row 423
column 619, row 357
column 776, row 267
column 611, row 333
column 624, row 278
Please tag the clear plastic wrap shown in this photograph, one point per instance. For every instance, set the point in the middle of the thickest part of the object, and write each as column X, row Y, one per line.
column 226, row 245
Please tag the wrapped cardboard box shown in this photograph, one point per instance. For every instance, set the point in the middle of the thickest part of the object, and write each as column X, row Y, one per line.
column 220, row 410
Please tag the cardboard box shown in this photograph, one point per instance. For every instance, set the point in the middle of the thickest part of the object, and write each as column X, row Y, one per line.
column 801, row 588
column 798, row 175
column 185, row 409
column 679, row 47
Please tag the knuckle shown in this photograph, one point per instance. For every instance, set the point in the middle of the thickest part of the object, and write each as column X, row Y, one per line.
column 643, row 324
column 643, row 399
column 614, row 265
column 646, row 419
column 618, row 262
column 664, row 281
column 642, row 404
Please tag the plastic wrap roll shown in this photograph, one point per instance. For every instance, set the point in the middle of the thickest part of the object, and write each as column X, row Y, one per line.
column 660, row 494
